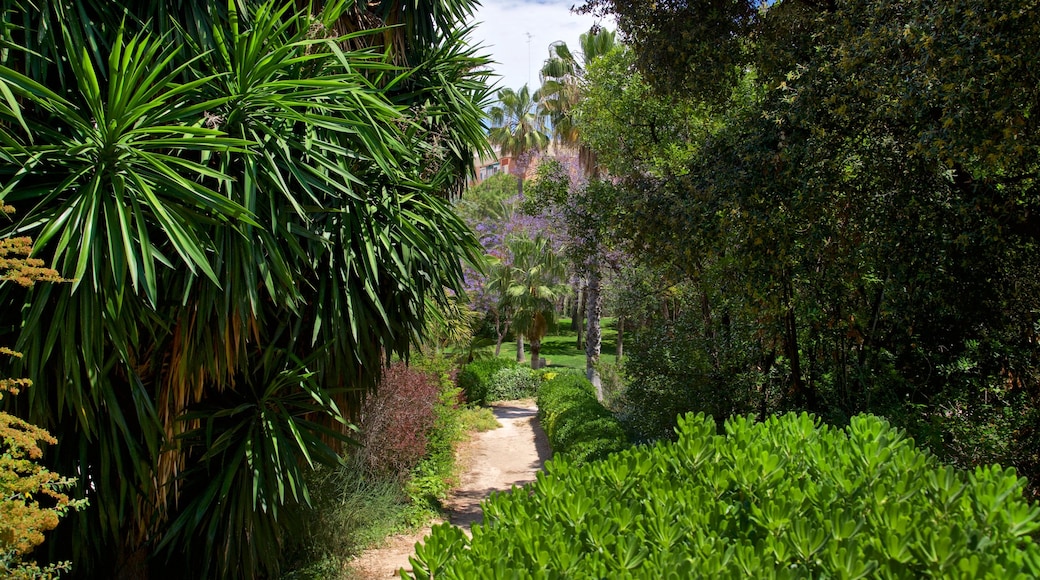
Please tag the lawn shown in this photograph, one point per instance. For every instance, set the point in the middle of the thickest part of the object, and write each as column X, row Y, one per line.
column 560, row 349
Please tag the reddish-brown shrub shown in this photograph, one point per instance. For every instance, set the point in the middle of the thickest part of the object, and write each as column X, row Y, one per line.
column 396, row 420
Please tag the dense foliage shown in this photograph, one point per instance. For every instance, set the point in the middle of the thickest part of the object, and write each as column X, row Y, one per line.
column 783, row 498
column 475, row 379
column 385, row 487
column 846, row 199
column 512, row 383
column 575, row 422
column 396, row 421
column 251, row 197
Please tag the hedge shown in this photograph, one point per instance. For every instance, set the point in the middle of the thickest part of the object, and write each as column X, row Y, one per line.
column 785, row 498
column 575, row 423
column 475, row 378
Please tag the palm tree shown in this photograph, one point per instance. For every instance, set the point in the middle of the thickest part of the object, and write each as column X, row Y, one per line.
column 563, row 76
column 533, row 288
column 518, row 128
column 500, row 277
column 255, row 219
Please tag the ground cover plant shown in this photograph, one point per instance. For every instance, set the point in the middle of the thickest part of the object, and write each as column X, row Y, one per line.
column 784, row 498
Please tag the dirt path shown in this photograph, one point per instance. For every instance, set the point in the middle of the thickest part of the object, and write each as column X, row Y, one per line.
column 494, row 460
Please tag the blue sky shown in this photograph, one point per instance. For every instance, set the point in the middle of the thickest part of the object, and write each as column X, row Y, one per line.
column 503, row 26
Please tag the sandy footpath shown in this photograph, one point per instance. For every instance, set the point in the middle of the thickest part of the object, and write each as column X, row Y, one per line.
column 493, row 460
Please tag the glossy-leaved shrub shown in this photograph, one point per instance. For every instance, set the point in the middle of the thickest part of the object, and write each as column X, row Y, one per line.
column 785, row 498
column 513, row 382
column 575, row 423
column 475, row 378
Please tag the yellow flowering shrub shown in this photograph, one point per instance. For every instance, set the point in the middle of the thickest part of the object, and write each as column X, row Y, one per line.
column 31, row 497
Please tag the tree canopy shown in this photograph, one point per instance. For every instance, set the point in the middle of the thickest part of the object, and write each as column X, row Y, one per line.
column 851, row 189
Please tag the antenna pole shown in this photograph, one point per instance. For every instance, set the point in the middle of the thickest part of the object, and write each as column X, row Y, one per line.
column 529, row 36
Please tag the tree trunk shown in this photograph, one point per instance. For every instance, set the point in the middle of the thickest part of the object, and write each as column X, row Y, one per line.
column 536, row 349
column 519, row 348
column 132, row 565
column 575, row 324
column 594, row 308
column 798, row 392
column 580, row 317
column 501, row 330
column 620, row 337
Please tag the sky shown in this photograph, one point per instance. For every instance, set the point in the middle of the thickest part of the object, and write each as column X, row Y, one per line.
column 503, row 27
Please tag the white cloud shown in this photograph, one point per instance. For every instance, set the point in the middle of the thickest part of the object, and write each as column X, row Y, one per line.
column 503, row 26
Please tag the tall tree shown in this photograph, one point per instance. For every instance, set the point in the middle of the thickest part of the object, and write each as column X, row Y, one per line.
column 518, row 129
column 253, row 210
column 533, row 288
column 563, row 88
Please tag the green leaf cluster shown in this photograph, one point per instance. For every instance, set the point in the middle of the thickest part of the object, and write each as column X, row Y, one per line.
column 513, row 382
column 577, row 425
column 476, row 378
column 785, row 498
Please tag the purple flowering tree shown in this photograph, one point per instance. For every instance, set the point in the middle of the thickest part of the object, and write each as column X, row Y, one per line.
column 492, row 209
column 581, row 209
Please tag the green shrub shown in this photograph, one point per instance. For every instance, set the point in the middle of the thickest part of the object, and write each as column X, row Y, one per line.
column 676, row 367
column 513, row 382
column 359, row 503
column 475, row 378
column 432, row 478
column 575, row 423
column 781, row 499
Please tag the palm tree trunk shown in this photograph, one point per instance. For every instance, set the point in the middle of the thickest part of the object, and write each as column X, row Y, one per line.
column 620, row 337
column 594, row 308
column 579, row 316
column 519, row 348
column 574, row 308
column 501, row 330
column 498, row 343
column 536, row 349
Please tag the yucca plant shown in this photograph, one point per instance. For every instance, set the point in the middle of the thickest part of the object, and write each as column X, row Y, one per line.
column 254, row 213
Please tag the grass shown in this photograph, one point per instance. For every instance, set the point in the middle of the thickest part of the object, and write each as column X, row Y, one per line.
column 478, row 419
column 354, row 512
column 560, row 348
